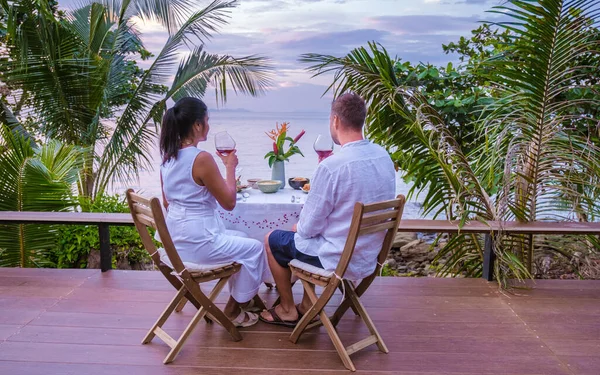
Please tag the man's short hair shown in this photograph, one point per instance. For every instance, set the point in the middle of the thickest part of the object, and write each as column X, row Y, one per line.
column 351, row 110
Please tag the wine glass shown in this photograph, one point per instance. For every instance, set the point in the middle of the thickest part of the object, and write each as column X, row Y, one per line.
column 224, row 143
column 323, row 146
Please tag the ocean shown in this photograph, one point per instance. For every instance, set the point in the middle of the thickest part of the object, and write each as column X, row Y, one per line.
column 248, row 130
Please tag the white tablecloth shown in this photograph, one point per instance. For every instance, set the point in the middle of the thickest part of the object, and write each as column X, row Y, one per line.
column 261, row 213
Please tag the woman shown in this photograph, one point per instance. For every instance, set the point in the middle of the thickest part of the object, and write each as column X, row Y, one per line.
column 192, row 185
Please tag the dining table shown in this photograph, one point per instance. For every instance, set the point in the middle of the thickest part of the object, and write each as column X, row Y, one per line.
column 257, row 213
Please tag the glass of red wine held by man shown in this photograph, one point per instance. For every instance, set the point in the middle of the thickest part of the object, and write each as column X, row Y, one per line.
column 323, row 147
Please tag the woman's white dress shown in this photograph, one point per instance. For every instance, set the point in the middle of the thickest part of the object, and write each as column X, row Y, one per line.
column 198, row 232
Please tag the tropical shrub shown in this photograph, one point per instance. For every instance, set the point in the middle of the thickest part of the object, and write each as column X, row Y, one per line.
column 533, row 153
column 75, row 242
column 33, row 179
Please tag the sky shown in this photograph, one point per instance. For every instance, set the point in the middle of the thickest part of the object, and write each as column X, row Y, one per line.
column 282, row 30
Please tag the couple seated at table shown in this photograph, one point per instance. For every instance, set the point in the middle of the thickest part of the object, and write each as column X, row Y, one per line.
column 193, row 186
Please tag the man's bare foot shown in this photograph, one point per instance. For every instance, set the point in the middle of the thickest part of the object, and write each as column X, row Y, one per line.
column 302, row 309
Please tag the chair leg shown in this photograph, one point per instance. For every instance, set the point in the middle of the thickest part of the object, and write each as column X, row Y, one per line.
column 192, row 324
column 165, row 314
column 335, row 339
column 258, row 302
column 362, row 312
column 344, row 300
column 308, row 317
column 181, row 305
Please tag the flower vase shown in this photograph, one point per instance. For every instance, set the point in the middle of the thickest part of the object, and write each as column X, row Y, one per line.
column 278, row 172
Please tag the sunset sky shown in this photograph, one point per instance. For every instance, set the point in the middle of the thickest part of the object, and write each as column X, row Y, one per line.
column 413, row 30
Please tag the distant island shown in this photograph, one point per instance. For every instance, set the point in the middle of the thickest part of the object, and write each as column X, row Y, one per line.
column 231, row 110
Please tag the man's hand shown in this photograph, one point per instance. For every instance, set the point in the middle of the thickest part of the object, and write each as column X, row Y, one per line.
column 295, row 228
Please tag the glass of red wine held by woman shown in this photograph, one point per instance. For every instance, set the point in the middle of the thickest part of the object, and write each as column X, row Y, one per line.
column 323, row 147
column 224, row 143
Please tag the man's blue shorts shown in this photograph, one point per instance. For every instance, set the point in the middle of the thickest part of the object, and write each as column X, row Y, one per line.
column 284, row 249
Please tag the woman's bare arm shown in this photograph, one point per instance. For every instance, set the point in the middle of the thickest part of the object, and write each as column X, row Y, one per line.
column 206, row 172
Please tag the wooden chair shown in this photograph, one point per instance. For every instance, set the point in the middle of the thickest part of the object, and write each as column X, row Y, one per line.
column 367, row 219
column 184, row 277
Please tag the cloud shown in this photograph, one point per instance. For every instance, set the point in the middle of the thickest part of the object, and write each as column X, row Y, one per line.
column 424, row 24
column 331, row 42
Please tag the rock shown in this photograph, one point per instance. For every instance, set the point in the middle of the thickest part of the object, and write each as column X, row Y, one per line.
column 402, row 239
column 410, row 246
column 391, row 263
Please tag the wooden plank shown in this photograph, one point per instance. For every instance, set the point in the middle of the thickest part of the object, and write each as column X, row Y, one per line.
column 280, row 359
column 79, row 218
column 46, row 368
column 53, row 273
column 208, row 336
column 423, row 313
column 582, row 365
column 7, row 330
column 574, row 347
column 446, row 226
column 18, row 316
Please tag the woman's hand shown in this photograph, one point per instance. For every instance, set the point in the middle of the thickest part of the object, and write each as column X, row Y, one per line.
column 230, row 160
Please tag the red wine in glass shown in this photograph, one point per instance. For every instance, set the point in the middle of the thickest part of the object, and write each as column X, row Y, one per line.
column 323, row 146
column 324, row 154
column 225, row 151
column 224, row 143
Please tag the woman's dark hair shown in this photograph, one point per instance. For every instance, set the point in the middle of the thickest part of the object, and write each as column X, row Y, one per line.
column 177, row 124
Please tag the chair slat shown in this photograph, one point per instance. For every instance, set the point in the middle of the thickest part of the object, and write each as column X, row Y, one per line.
column 146, row 220
column 376, row 228
column 379, row 217
column 143, row 209
column 140, row 199
column 381, row 206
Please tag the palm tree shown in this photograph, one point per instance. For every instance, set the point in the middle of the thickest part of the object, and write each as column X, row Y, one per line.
column 73, row 69
column 33, row 179
column 532, row 164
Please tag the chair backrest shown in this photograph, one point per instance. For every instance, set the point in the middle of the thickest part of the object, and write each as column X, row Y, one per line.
column 147, row 212
column 369, row 219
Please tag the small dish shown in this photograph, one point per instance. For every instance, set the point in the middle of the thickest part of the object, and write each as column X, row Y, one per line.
column 306, row 188
column 242, row 187
column 252, row 182
column 298, row 182
column 269, row 186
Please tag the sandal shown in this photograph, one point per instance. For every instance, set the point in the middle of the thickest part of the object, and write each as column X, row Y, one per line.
column 251, row 307
column 241, row 321
column 277, row 320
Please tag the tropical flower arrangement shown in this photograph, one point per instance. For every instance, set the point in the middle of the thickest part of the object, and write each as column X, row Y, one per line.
column 279, row 137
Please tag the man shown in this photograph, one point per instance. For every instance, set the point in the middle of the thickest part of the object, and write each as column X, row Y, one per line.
column 360, row 172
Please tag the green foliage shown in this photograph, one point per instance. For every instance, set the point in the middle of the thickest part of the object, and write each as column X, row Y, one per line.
column 510, row 135
column 75, row 242
column 386, row 270
column 75, row 76
column 279, row 135
column 33, row 179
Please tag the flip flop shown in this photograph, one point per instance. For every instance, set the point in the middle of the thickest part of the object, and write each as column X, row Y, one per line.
column 277, row 320
column 241, row 321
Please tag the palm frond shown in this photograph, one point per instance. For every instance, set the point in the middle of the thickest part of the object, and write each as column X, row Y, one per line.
column 33, row 180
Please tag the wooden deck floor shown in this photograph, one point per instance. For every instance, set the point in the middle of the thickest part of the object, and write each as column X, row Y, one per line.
column 86, row 322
